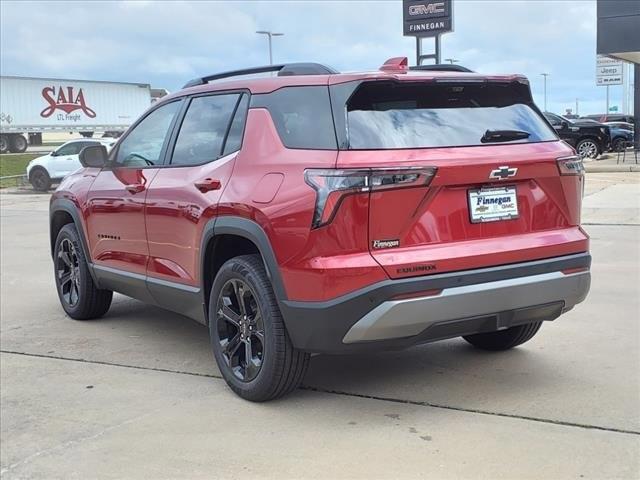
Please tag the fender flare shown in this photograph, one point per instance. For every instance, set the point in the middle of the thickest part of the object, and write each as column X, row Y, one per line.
column 243, row 227
column 67, row 206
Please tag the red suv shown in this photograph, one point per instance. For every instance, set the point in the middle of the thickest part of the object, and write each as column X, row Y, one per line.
column 316, row 212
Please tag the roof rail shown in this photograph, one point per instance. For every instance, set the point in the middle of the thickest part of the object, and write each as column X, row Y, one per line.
column 443, row 67
column 284, row 69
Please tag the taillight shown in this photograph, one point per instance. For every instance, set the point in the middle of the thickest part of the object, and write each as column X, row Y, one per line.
column 332, row 186
column 570, row 165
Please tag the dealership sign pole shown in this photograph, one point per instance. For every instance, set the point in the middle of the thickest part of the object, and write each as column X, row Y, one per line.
column 427, row 18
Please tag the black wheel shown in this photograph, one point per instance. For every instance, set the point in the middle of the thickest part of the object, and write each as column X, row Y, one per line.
column 40, row 179
column 17, row 143
column 4, row 144
column 86, row 134
column 504, row 339
column 248, row 336
column 618, row 144
column 78, row 294
column 588, row 148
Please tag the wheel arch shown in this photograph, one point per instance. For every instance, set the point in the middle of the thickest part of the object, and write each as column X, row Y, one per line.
column 227, row 237
column 63, row 212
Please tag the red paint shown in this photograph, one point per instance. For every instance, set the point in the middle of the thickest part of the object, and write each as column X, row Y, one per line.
column 67, row 102
column 161, row 224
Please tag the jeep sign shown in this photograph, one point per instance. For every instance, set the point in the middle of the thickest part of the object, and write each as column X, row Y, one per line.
column 427, row 18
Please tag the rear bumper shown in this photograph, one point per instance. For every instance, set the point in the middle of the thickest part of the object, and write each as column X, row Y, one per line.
column 451, row 305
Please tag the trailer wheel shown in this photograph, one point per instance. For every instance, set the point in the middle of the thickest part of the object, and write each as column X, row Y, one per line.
column 4, row 144
column 86, row 134
column 17, row 143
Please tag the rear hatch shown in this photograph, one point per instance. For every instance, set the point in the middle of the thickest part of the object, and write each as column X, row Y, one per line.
column 462, row 176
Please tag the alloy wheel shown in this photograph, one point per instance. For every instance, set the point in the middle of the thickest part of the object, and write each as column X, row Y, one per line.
column 39, row 180
column 240, row 329
column 68, row 271
column 588, row 149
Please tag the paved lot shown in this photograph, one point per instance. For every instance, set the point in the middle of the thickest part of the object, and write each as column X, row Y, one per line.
column 137, row 395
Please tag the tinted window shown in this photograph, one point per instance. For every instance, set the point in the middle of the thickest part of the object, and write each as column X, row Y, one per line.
column 302, row 116
column 234, row 139
column 203, row 129
column 142, row 146
column 70, row 148
column 387, row 115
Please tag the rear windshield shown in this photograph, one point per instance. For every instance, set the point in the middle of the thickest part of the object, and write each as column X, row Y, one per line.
column 389, row 115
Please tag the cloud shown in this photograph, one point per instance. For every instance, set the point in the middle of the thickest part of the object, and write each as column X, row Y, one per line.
column 166, row 43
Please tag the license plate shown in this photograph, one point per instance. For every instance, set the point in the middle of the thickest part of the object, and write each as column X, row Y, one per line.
column 492, row 204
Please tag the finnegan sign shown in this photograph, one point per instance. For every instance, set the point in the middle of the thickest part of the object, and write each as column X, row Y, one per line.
column 427, row 18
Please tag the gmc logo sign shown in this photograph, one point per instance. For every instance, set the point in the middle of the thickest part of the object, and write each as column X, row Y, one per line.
column 426, row 9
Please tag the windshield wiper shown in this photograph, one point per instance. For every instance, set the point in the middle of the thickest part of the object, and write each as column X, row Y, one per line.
column 503, row 135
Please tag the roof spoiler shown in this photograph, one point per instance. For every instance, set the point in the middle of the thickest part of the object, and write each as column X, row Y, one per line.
column 285, row 69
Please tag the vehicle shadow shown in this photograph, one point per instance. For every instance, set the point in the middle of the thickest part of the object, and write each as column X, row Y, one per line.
column 435, row 373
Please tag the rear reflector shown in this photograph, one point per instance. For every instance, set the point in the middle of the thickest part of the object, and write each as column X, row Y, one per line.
column 421, row 294
column 569, row 271
column 332, row 186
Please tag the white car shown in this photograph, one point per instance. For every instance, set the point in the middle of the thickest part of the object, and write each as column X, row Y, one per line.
column 53, row 167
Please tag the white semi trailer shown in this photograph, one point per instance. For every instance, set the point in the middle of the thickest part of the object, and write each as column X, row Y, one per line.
column 32, row 106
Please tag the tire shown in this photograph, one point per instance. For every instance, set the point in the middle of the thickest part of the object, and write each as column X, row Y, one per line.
column 87, row 134
column 89, row 301
column 588, row 148
column 18, row 144
column 235, row 336
column 504, row 339
column 618, row 144
column 4, row 144
column 39, row 179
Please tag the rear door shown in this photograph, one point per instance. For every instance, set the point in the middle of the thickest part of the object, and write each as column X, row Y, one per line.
column 184, row 194
column 472, row 177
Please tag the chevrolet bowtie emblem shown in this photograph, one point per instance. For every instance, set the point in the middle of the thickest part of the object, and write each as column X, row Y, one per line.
column 501, row 173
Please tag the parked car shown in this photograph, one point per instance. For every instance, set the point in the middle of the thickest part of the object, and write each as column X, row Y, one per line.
column 319, row 212
column 611, row 117
column 621, row 135
column 588, row 137
column 51, row 168
column 622, row 125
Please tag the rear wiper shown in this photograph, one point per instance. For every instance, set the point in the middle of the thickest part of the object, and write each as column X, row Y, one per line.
column 503, row 135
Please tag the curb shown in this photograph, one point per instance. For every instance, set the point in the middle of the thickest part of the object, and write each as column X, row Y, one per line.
column 589, row 168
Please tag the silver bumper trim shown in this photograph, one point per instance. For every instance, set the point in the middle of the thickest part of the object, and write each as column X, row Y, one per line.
column 408, row 317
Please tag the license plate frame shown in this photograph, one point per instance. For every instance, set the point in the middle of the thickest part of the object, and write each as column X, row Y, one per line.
column 485, row 212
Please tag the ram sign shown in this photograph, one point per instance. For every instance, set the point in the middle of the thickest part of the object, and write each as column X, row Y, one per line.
column 427, row 18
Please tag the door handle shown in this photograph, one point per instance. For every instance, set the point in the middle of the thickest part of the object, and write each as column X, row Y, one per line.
column 208, row 184
column 134, row 188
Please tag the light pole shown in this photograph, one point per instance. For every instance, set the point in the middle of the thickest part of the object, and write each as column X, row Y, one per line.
column 451, row 60
column 270, row 34
column 545, row 75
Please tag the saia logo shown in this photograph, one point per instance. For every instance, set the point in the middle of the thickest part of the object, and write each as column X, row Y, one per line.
column 67, row 102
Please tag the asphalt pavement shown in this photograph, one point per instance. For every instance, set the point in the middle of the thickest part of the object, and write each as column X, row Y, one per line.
column 137, row 394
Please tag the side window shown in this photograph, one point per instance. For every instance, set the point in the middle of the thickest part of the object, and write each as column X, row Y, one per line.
column 234, row 139
column 302, row 116
column 553, row 120
column 203, row 129
column 70, row 149
column 142, row 147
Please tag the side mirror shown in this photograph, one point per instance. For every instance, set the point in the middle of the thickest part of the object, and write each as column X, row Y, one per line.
column 94, row 156
column 564, row 125
column 53, row 154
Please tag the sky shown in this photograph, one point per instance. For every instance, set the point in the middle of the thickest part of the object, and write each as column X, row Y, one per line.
column 168, row 43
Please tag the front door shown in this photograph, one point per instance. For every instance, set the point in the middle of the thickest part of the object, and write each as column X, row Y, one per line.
column 115, row 203
column 184, row 194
